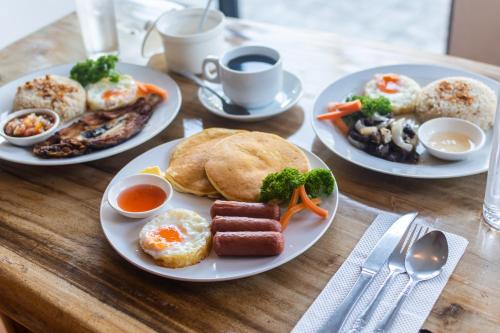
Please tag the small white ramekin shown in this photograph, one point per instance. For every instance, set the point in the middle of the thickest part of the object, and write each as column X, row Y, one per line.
column 437, row 125
column 140, row 179
column 29, row 140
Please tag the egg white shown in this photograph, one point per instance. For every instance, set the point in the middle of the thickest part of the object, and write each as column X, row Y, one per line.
column 402, row 101
column 194, row 230
column 126, row 87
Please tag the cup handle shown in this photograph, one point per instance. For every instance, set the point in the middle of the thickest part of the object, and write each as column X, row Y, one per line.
column 150, row 27
column 208, row 76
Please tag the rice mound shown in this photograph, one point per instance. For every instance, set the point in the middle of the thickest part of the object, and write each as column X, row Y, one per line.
column 457, row 97
column 63, row 95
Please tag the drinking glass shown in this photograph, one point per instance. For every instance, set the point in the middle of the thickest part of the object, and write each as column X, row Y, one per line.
column 491, row 206
column 98, row 26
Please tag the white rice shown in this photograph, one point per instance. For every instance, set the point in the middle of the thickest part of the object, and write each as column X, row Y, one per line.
column 458, row 97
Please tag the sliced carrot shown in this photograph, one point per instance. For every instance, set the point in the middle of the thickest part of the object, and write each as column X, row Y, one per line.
column 332, row 115
column 333, row 106
column 352, row 106
column 141, row 89
column 310, row 204
column 153, row 89
column 343, row 110
column 294, row 199
column 285, row 218
column 341, row 126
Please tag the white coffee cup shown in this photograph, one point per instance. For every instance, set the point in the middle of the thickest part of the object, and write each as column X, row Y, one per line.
column 185, row 47
column 251, row 89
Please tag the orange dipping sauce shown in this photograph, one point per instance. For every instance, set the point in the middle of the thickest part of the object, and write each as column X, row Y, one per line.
column 141, row 198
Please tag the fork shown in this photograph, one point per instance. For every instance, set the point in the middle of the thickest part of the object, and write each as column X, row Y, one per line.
column 396, row 266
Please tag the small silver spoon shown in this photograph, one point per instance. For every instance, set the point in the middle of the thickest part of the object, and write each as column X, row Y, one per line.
column 227, row 107
column 424, row 261
column 204, row 16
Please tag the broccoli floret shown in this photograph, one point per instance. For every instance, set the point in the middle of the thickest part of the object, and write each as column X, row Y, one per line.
column 280, row 185
column 319, row 182
column 380, row 105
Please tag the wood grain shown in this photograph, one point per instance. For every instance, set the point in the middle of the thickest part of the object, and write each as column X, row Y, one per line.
column 58, row 273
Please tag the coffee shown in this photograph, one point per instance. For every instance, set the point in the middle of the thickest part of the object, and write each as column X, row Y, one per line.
column 251, row 63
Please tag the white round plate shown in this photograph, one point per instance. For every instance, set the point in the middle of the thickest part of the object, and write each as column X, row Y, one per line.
column 284, row 100
column 428, row 166
column 123, row 233
column 163, row 115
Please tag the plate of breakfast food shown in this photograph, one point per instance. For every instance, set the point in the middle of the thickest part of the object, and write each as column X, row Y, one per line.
column 219, row 205
column 82, row 112
column 419, row 121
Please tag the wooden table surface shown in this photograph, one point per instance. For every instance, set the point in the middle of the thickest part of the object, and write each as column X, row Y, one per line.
column 58, row 273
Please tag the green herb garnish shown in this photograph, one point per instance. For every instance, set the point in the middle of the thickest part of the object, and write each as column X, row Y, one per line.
column 91, row 71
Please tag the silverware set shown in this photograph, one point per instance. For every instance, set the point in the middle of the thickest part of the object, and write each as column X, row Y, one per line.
column 405, row 249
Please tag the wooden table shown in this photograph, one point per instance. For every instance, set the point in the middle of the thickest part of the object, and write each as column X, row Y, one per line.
column 58, row 272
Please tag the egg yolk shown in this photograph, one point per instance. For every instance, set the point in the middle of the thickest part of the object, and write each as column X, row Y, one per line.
column 161, row 238
column 110, row 93
column 170, row 234
column 388, row 84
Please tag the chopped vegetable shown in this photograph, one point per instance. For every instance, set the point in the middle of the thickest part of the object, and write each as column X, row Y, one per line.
column 294, row 209
column 153, row 89
column 323, row 213
column 91, row 71
column 280, row 185
column 295, row 198
column 342, row 110
column 319, row 182
column 341, row 125
column 371, row 106
column 148, row 88
column 290, row 184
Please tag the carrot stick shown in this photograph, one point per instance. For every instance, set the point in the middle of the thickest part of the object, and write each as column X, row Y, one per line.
column 342, row 110
column 341, row 126
column 154, row 89
column 294, row 199
column 285, row 218
column 333, row 106
column 310, row 204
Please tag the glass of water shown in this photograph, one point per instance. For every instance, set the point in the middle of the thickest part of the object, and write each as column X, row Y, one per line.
column 491, row 207
column 98, row 26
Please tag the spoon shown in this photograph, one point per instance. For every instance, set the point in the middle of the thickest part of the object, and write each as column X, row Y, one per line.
column 424, row 261
column 204, row 17
column 229, row 108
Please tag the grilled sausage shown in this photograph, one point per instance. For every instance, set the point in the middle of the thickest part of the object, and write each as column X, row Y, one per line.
column 239, row 223
column 236, row 208
column 248, row 243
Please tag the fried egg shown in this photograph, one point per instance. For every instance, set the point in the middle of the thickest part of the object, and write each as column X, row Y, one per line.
column 107, row 95
column 401, row 90
column 176, row 238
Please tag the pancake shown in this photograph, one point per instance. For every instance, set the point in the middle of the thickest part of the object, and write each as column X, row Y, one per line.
column 186, row 171
column 238, row 164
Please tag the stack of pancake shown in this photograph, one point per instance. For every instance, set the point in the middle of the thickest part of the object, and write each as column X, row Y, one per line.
column 230, row 163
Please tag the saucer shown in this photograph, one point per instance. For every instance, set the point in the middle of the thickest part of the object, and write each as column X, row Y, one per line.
column 284, row 100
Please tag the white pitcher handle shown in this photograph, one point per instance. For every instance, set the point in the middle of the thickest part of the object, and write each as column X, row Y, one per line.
column 211, row 76
column 151, row 27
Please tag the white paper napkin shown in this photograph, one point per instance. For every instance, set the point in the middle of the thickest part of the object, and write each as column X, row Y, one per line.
column 417, row 306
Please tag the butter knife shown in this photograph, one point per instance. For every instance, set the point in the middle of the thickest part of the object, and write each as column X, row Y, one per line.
column 372, row 265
